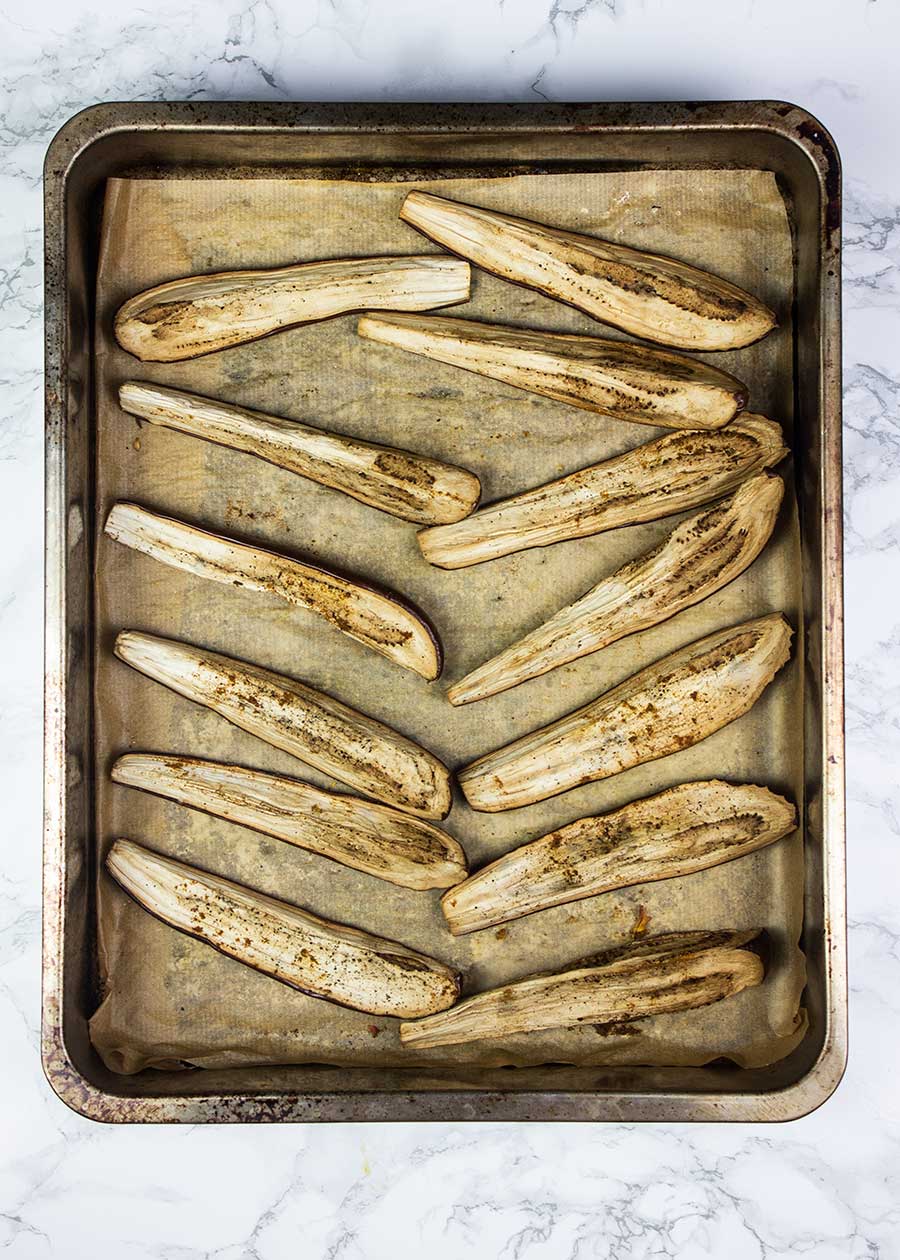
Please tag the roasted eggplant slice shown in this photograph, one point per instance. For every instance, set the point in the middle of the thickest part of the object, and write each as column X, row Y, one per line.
column 372, row 838
column 672, row 474
column 615, row 378
column 678, row 971
column 685, row 829
column 326, row 960
column 413, row 487
column 670, row 705
column 701, row 555
column 352, row 747
column 647, row 295
column 364, row 613
column 186, row 318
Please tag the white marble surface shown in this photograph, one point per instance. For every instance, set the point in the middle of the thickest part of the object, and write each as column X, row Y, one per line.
column 827, row 1186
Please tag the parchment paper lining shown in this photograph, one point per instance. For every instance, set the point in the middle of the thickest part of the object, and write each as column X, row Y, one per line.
column 170, row 1001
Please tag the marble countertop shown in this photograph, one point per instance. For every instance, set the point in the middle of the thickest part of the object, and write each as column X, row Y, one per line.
column 826, row 1186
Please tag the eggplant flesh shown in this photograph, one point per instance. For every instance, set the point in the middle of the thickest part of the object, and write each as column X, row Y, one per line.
column 618, row 379
column 372, row 838
column 678, row 971
column 685, row 829
column 362, row 612
column 322, row 732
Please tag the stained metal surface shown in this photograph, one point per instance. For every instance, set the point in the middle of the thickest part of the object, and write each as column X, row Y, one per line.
column 238, row 140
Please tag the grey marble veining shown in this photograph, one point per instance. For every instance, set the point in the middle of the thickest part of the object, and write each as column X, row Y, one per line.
column 827, row 1186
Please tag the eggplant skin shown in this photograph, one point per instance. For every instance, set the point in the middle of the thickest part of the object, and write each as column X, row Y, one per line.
column 685, row 829
column 670, row 705
column 183, row 319
column 702, row 554
column 326, row 960
column 645, row 294
column 614, row 378
column 676, row 971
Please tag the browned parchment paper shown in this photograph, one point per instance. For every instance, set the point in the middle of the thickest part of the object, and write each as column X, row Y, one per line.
column 169, row 1000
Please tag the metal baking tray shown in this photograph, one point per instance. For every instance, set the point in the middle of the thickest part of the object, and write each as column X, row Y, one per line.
column 240, row 139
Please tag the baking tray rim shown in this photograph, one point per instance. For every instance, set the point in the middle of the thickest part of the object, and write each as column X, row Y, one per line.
column 823, row 1075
